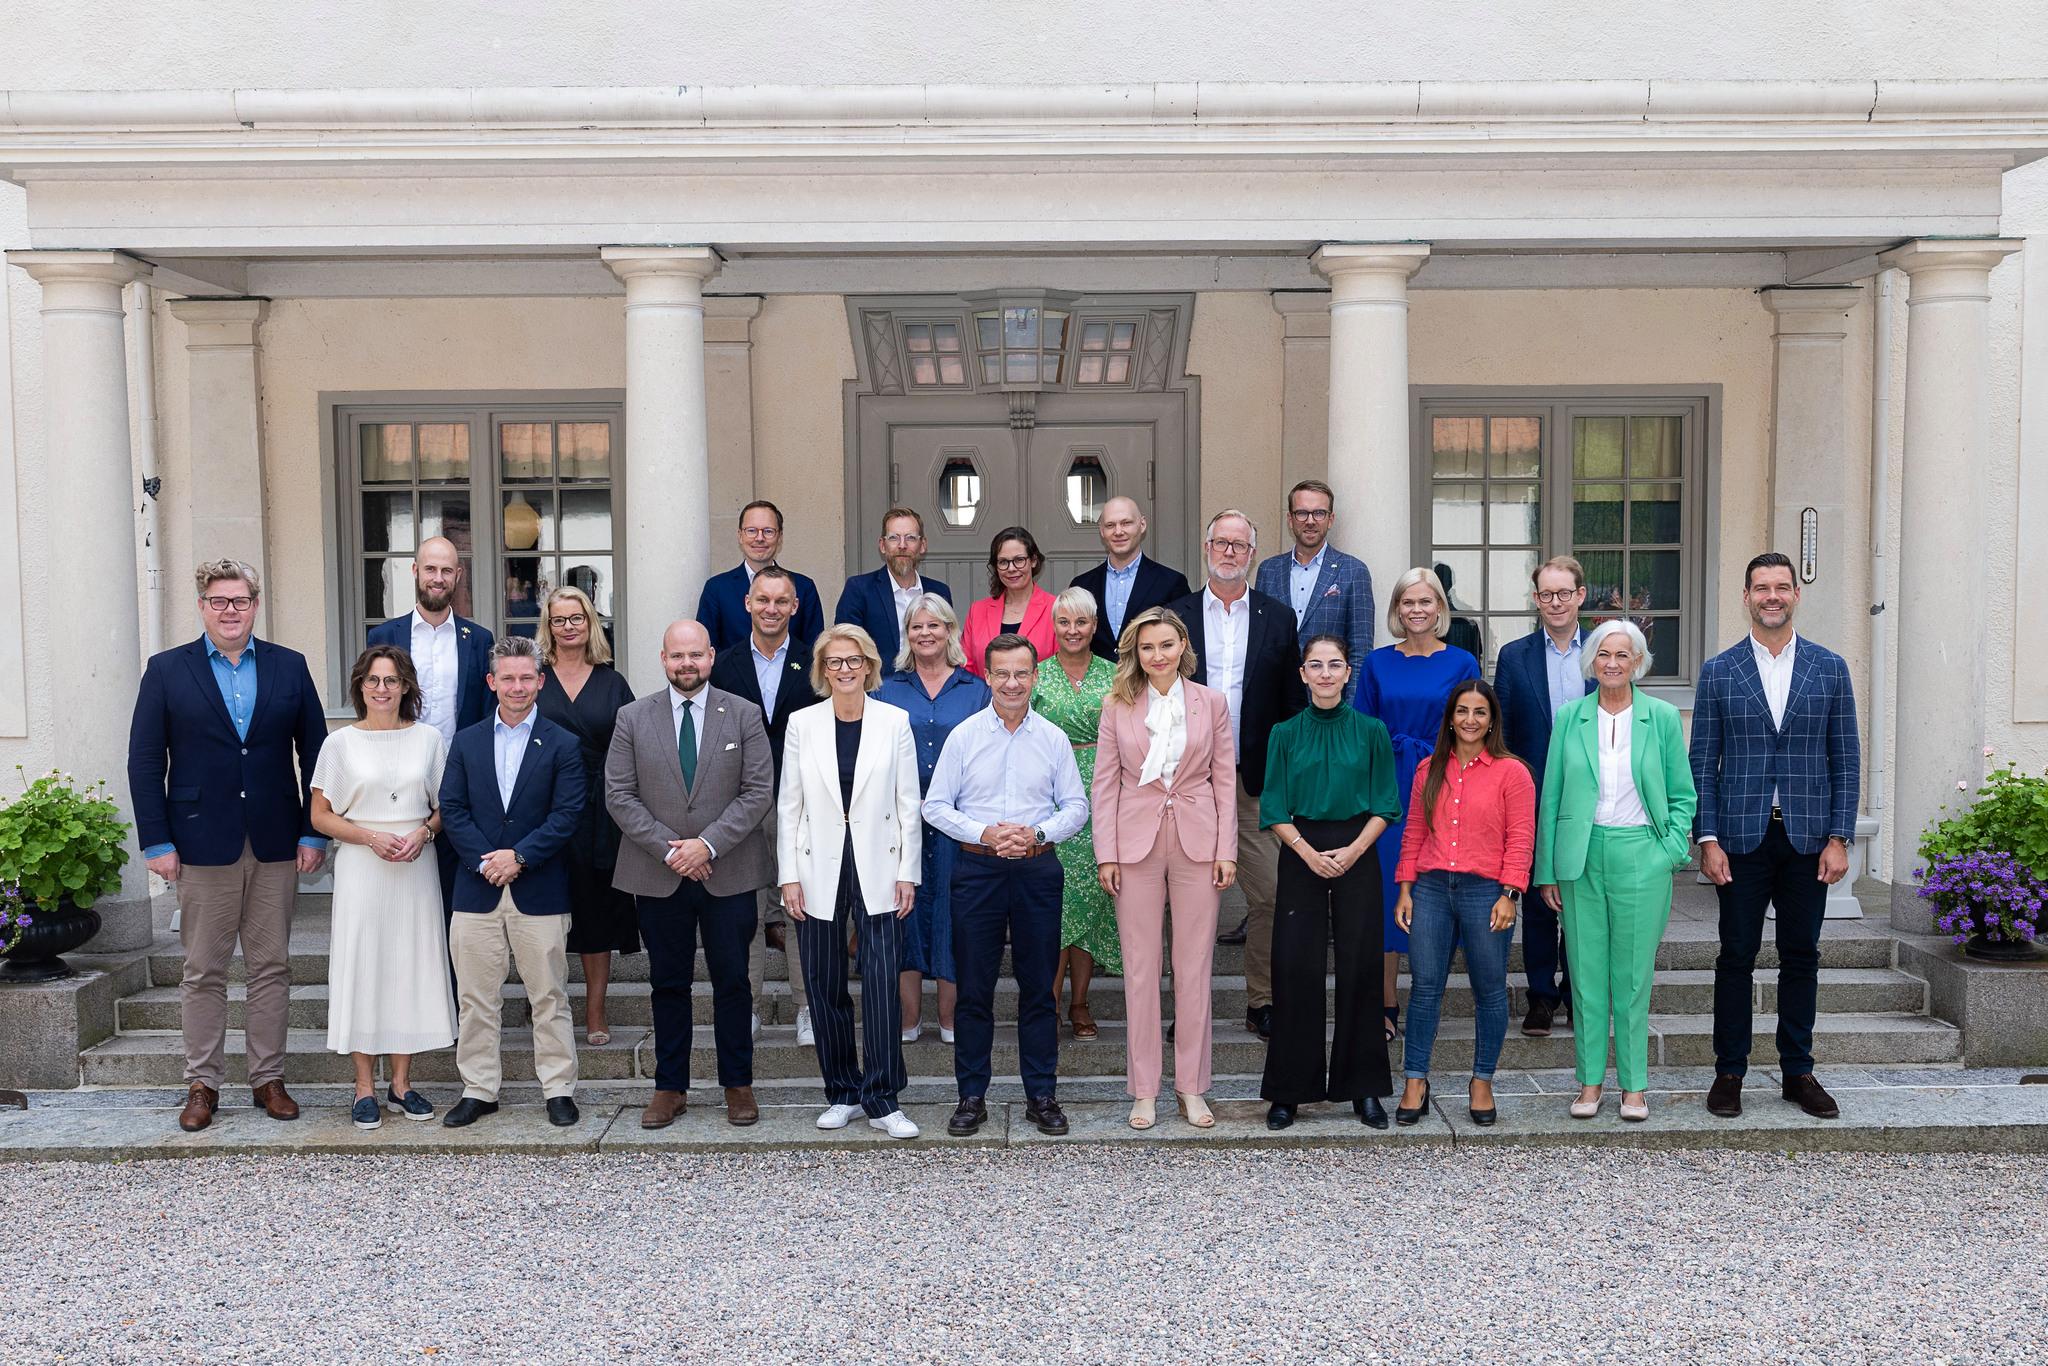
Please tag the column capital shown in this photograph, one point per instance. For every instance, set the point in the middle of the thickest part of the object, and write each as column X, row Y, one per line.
column 84, row 267
column 214, row 323
column 1333, row 259
column 641, row 263
column 1949, row 253
column 1816, row 311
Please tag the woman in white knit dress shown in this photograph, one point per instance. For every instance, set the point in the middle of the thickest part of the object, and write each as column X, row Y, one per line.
column 376, row 790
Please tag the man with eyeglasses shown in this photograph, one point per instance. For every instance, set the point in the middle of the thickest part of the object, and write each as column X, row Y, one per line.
column 1330, row 591
column 1535, row 678
column 1128, row 581
column 225, row 818
column 876, row 601
column 1245, row 648
column 722, row 606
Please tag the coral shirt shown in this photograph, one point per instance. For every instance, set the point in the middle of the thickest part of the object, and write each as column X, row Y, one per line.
column 1485, row 822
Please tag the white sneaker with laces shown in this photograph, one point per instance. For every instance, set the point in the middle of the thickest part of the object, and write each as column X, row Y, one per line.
column 896, row 1124
column 805, row 1035
column 837, row 1116
column 914, row 1033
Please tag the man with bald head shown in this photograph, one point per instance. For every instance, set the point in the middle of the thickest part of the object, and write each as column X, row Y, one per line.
column 1127, row 582
column 690, row 781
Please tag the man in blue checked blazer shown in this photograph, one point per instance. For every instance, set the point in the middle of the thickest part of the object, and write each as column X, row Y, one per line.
column 1330, row 592
column 1778, row 768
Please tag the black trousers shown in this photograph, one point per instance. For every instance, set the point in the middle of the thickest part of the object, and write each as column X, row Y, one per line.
column 1306, row 909
column 1772, row 874
column 1022, row 896
column 873, row 1086
column 670, row 927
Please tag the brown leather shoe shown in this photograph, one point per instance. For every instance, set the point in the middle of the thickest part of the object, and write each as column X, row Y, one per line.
column 740, row 1109
column 1724, row 1098
column 200, row 1103
column 663, row 1109
column 1536, row 1024
column 776, row 938
column 272, row 1100
column 1809, row 1095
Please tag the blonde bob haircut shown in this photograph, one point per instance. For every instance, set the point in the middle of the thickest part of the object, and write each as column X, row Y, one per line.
column 1076, row 601
column 1130, row 675
column 1617, row 626
column 871, row 670
column 596, row 648
column 1426, row 576
column 941, row 611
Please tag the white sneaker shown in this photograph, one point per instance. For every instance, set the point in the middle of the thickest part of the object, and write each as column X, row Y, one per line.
column 755, row 1035
column 805, row 1035
column 837, row 1116
column 914, row 1033
column 945, row 1034
column 896, row 1124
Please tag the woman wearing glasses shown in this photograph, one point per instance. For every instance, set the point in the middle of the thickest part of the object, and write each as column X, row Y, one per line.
column 582, row 693
column 1015, row 604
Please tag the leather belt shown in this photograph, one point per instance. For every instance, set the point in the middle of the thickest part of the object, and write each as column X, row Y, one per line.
column 986, row 852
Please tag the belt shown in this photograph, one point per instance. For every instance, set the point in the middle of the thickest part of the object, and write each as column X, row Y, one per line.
column 986, row 852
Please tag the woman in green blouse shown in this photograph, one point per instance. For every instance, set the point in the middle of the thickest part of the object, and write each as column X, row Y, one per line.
column 1329, row 795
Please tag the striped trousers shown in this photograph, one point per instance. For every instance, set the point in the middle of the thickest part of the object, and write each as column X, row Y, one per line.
column 867, row 1071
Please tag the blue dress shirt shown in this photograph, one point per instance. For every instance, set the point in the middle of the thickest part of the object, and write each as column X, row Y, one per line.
column 1116, row 592
column 1561, row 667
column 1301, row 580
column 988, row 774
column 768, row 672
column 508, row 748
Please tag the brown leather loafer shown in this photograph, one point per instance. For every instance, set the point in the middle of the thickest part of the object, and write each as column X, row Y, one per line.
column 663, row 1109
column 1809, row 1095
column 740, row 1109
column 1724, row 1098
column 272, row 1100
column 200, row 1103
column 776, row 938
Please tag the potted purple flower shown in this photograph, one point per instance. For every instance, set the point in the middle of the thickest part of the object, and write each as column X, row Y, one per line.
column 1986, row 869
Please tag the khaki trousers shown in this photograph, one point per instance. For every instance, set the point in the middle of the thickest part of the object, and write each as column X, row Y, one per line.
column 1258, row 867
column 250, row 901
column 769, row 907
column 482, row 945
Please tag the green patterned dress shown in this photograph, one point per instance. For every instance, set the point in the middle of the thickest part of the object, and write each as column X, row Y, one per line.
column 1087, row 915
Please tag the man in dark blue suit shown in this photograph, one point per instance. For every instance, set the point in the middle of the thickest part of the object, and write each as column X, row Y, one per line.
column 510, row 797
column 1128, row 581
column 722, row 607
column 876, row 602
column 451, row 655
column 1535, row 678
column 222, row 816
column 1778, row 766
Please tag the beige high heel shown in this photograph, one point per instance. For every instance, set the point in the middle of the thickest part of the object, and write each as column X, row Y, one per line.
column 1143, row 1113
column 1195, row 1110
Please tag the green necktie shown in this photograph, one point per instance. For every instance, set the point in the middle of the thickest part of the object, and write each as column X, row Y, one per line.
column 686, row 746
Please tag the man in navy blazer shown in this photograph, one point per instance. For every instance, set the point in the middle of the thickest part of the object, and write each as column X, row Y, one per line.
column 722, row 606
column 223, row 816
column 1129, row 581
column 876, row 602
column 1779, row 771
column 1330, row 592
column 511, row 794
column 1536, row 677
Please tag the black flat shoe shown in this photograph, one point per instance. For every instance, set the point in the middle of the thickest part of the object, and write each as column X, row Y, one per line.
column 562, row 1112
column 468, row 1111
column 971, row 1114
column 1370, row 1112
column 1279, row 1116
column 1408, row 1118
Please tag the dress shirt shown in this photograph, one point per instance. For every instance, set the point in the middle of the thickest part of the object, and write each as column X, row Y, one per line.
column 1561, row 668
column 1116, row 592
column 1620, row 805
column 1301, row 579
column 768, row 672
column 434, row 660
column 508, row 746
column 1227, row 630
column 237, row 683
column 1166, row 721
column 1775, row 673
column 988, row 774
column 676, row 698
column 904, row 597
column 1485, row 822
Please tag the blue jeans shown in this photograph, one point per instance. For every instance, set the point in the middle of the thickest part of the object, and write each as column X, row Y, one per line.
column 1453, row 909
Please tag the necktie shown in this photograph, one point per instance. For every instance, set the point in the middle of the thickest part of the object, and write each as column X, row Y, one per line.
column 686, row 745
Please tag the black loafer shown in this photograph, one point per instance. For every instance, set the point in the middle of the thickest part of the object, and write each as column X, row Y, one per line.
column 1279, row 1116
column 1045, row 1112
column 562, row 1112
column 1370, row 1112
column 1259, row 1020
column 468, row 1111
column 969, row 1115
column 1724, row 1098
column 1236, row 936
column 1408, row 1118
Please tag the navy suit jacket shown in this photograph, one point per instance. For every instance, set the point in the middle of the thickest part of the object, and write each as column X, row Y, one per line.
column 1738, row 755
column 722, row 609
column 473, row 697
column 733, row 672
column 869, row 602
column 1340, row 604
column 547, row 800
column 1273, row 689
column 1521, row 680
column 1156, row 586
column 195, row 784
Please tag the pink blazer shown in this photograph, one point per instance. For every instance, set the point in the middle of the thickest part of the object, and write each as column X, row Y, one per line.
column 985, row 622
column 1127, row 816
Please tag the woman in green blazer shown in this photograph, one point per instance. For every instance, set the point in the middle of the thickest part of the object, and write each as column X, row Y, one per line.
column 1616, row 819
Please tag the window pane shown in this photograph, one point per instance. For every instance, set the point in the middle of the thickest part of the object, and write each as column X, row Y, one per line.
column 444, row 452
column 1513, row 447
column 1653, row 514
column 1662, row 635
column 1465, row 633
column 527, row 449
column 1597, row 446
column 586, row 519
column 387, row 587
column 1460, row 571
column 387, row 452
column 952, row 370
column 1055, row 331
column 1603, row 580
column 946, row 336
column 592, row 574
column 924, row 370
column 1456, row 513
column 917, row 337
column 1653, row 580
column 1090, row 370
column 1456, row 447
column 1513, row 514
column 1051, row 369
column 1119, row 370
column 991, row 369
column 529, row 520
column 1596, row 514
column 528, row 579
column 959, row 492
column 387, row 521
column 1087, row 489
column 1653, row 448
column 1020, row 367
column 1507, row 578
column 447, row 514
column 1123, row 337
column 988, row 331
column 586, row 449
column 1095, row 337
column 1500, row 631
column 1020, row 328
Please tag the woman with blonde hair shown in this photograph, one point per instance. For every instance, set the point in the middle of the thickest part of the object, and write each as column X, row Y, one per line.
column 1165, row 810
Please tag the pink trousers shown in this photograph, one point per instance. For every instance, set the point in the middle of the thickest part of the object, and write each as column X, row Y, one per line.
column 1167, row 873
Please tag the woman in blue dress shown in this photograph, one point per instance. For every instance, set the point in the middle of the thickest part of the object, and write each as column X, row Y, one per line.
column 1406, row 685
column 931, row 684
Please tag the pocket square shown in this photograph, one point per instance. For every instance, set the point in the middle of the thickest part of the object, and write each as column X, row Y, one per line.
column 1333, row 591
column 734, row 744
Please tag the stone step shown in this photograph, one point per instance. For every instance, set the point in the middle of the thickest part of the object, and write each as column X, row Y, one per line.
column 1850, row 1038
column 1683, row 992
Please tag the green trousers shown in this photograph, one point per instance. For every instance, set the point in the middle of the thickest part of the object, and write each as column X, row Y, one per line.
column 1614, row 918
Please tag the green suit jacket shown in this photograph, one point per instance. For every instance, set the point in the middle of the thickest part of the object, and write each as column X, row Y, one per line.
column 1571, row 785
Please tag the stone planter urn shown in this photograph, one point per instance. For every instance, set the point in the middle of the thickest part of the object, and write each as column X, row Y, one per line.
column 1989, row 949
column 50, row 933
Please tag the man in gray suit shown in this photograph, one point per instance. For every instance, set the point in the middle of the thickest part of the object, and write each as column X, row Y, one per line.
column 689, row 781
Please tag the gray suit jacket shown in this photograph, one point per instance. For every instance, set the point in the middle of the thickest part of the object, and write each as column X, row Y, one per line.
column 734, row 792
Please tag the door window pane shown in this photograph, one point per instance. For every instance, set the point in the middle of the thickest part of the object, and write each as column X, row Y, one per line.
column 444, row 452
column 387, row 521
column 526, row 450
column 592, row 574
column 529, row 522
column 959, row 491
column 1507, row 578
column 586, row 449
column 1514, row 514
column 1087, row 489
column 447, row 514
column 1463, row 574
column 586, row 519
column 1597, row 445
column 1653, row 580
column 1653, row 448
column 1513, row 447
column 1653, row 514
column 1596, row 514
column 1457, row 447
column 387, row 587
column 386, row 454
column 1457, row 513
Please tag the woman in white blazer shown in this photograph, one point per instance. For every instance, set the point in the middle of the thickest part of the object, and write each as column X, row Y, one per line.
column 849, row 841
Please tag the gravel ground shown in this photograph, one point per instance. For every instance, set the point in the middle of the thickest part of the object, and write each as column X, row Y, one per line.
column 1089, row 1255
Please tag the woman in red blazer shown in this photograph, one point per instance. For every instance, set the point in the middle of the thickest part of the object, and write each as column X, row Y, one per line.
column 1015, row 603
column 1165, row 816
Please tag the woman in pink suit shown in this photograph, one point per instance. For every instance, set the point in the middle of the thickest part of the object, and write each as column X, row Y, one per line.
column 1165, row 819
column 1015, row 605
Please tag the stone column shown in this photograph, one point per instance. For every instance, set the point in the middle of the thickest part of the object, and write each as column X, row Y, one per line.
column 94, row 629
column 667, row 474
column 1943, row 543
column 225, row 420
column 1370, row 461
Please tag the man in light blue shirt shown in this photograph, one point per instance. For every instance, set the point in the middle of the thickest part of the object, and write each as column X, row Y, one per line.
column 1561, row 668
column 1007, row 788
column 508, row 751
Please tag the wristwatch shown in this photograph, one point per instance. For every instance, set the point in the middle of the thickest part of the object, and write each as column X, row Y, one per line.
column 1038, row 833
column 1513, row 894
column 519, row 858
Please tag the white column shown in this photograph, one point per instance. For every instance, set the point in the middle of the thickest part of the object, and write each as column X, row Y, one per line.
column 94, row 631
column 667, row 477
column 1369, row 452
column 225, row 421
column 1943, row 552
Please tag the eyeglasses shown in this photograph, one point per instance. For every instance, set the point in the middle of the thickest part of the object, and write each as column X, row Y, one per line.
column 759, row 533
column 573, row 619
column 902, row 542
column 1231, row 547
column 843, row 664
column 1555, row 595
column 223, row 604
column 379, row 684
column 1309, row 514
column 1014, row 562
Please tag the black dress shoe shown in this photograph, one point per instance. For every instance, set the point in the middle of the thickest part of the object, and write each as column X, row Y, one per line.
column 1724, row 1098
column 969, row 1115
column 1370, row 1112
column 1279, row 1116
column 1808, row 1094
column 1408, row 1118
column 1259, row 1020
column 562, row 1112
column 1536, row 1024
column 1045, row 1112
column 468, row 1111
column 1237, row 936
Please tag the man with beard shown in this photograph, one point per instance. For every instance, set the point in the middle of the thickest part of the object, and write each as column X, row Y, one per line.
column 876, row 601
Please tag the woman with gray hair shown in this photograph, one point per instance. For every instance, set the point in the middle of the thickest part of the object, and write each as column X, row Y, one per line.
column 933, row 686
column 1615, row 822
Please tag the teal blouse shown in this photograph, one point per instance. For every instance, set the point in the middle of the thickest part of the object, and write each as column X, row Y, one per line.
column 1329, row 765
